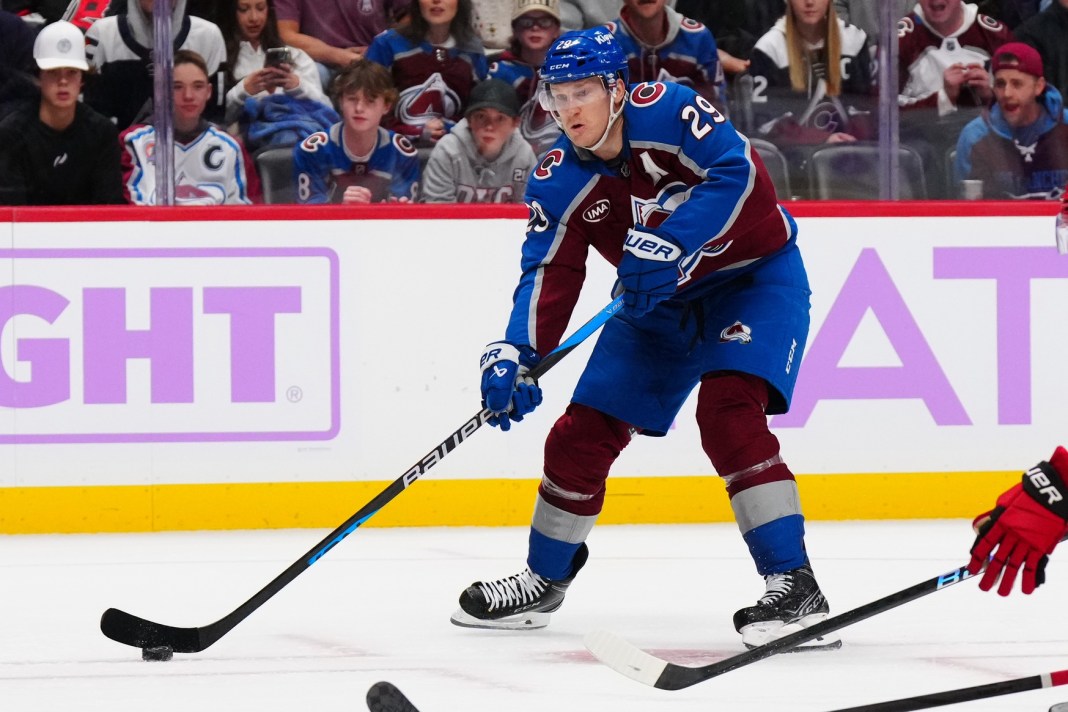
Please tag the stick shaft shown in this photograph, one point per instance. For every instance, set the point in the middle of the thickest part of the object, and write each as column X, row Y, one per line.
column 965, row 694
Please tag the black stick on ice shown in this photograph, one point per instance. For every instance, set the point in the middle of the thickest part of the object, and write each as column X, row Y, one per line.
column 132, row 630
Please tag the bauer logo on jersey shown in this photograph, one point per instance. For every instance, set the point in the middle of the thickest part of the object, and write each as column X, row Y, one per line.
column 172, row 345
column 736, row 332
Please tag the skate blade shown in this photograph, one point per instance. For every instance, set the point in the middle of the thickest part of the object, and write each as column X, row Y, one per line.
column 756, row 634
column 524, row 621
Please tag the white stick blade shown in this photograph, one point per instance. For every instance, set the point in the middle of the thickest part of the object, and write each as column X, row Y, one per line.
column 624, row 658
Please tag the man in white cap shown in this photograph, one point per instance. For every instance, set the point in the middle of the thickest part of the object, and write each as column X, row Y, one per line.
column 59, row 151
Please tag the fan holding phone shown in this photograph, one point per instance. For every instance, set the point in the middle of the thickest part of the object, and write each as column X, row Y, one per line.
column 260, row 64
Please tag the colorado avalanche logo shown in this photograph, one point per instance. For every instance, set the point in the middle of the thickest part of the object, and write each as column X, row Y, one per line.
column 552, row 159
column 433, row 99
column 536, row 220
column 652, row 212
column 647, row 93
column 736, row 332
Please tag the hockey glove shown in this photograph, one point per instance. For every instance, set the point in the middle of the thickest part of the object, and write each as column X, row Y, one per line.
column 506, row 391
column 649, row 271
column 1023, row 529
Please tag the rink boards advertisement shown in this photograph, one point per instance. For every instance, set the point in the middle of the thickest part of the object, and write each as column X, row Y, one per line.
column 271, row 367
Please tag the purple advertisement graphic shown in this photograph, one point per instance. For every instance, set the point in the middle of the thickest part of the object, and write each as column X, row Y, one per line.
column 238, row 316
column 869, row 286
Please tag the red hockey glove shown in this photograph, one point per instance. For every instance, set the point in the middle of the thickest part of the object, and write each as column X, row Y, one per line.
column 1024, row 528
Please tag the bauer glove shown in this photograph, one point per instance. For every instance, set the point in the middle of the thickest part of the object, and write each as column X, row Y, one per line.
column 649, row 271
column 1023, row 529
column 506, row 391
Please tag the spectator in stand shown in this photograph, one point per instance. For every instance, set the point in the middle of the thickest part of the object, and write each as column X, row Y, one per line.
column 210, row 166
column 57, row 151
column 435, row 61
column 584, row 14
column 867, row 15
column 335, row 32
column 260, row 65
column 1020, row 148
column 727, row 22
column 484, row 159
column 357, row 160
column 943, row 49
column 812, row 81
column 16, row 62
column 1048, row 33
column 120, row 49
column 492, row 20
column 663, row 46
column 535, row 26
column 1012, row 12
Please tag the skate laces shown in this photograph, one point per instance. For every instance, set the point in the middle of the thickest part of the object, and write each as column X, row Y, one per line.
column 777, row 586
column 520, row 588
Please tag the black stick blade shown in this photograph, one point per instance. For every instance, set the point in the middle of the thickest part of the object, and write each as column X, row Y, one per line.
column 385, row 697
column 128, row 629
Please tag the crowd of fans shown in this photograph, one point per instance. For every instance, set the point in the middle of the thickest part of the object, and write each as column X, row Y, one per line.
column 436, row 100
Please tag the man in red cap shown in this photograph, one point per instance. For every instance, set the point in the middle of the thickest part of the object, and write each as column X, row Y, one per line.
column 1019, row 147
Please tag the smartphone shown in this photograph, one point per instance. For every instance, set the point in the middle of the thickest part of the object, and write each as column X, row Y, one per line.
column 277, row 56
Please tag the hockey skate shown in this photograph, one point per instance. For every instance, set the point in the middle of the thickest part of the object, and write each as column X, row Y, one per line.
column 520, row 602
column 792, row 601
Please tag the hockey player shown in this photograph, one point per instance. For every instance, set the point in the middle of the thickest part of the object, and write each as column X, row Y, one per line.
column 663, row 46
column 715, row 297
column 358, row 161
column 1024, row 528
column 210, row 166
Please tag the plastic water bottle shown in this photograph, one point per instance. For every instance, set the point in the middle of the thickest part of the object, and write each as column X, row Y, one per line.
column 1062, row 233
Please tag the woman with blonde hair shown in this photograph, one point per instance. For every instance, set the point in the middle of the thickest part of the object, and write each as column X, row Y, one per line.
column 812, row 79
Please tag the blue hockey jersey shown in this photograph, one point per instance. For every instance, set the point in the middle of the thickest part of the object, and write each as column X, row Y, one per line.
column 323, row 168
column 684, row 173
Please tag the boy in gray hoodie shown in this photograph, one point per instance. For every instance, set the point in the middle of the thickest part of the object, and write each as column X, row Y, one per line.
column 483, row 159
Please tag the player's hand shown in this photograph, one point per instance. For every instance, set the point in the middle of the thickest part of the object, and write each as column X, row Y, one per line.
column 506, row 390
column 649, row 270
column 1024, row 528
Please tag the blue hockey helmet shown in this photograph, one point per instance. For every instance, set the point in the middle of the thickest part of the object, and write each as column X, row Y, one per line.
column 585, row 53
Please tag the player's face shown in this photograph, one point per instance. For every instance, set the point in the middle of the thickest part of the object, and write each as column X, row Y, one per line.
column 647, row 9
column 583, row 108
column 60, row 87
column 191, row 93
column 1017, row 94
column 941, row 12
column 361, row 113
column 251, row 18
column 810, row 12
column 438, row 12
column 491, row 129
column 536, row 31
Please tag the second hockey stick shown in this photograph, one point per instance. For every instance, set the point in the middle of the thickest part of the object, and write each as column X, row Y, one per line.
column 635, row 663
column 138, row 632
column 966, row 694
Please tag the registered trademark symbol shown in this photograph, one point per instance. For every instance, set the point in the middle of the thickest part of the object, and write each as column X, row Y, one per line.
column 294, row 394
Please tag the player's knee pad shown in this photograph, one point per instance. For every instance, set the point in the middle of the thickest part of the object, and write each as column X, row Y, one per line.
column 734, row 429
column 579, row 452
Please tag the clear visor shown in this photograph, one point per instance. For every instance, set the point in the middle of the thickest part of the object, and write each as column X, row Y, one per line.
column 560, row 98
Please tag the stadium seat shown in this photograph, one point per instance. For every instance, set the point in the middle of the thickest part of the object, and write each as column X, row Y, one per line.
column 275, row 166
column 777, row 166
column 850, row 171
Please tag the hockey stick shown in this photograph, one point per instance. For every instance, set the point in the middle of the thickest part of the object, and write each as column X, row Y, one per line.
column 129, row 629
column 385, row 697
column 966, row 694
column 629, row 660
